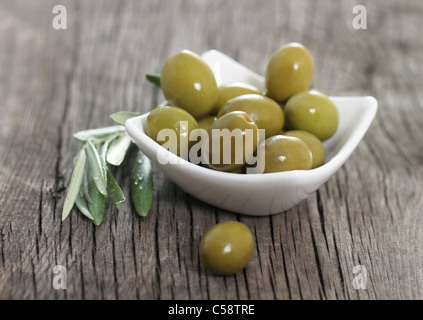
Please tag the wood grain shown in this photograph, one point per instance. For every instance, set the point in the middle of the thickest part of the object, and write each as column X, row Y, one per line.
column 56, row 82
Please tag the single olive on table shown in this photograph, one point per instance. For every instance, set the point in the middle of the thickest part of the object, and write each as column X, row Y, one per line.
column 227, row 247
column 265, row 112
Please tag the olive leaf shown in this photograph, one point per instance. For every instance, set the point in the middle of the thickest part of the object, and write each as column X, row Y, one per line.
column 98, row 172
column 100, row 133
column 98, row 205
column 154, row 78
column 117, row 150
column 114, row 191
column 103, row 146
column 84, row 187
column 142, row 184
column 82, row 205
column 75, row 183
column 104, row 150
column 121, row 116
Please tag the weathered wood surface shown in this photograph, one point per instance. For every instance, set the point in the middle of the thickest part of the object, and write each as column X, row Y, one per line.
column 55, row 82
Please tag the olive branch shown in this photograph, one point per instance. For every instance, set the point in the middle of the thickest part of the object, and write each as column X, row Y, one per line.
column 92, row 182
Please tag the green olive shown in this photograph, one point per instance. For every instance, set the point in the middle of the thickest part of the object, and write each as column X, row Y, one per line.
column 314, row 112
column 233, row 140
column 315, row 145
column 283, row 153
column 231, row 90
column 174, row 118
column 188, row 82
column 205, row 123
column 265, row 112
column 227, row 247
column 241, row 170
column 290, row 70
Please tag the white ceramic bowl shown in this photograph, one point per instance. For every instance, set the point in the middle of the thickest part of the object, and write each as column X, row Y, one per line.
column 259, row 194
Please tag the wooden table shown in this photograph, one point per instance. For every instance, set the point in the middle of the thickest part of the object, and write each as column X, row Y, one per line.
column 56, row 82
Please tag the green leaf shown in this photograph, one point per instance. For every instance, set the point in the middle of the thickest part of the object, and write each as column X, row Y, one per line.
column 114, row 191
column 100, row 133
column 118, row 149
column 121, row 116
column 142, row 184
column 75, row 184
column 104, row 150
column 98, row 205
column 103, row 154
column 154, row 78
column 84, row 188
column 98, row 172
column 82, row 205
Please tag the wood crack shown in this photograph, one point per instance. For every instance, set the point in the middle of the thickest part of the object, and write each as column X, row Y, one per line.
column 322, row 217
column 318, row 264
column 285, row 271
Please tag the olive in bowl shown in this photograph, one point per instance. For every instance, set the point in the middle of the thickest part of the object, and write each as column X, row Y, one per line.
column 232, row 90
column 265, row 112
column 290, row 70
column 316, row 147
column 169, row 117
column 205, row 122
column 233, row 140
column 189, row 83
column 283, row 153
column 314, row 112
